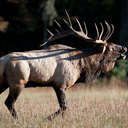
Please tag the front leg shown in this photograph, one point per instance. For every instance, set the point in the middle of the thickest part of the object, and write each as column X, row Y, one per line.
column 60, row 93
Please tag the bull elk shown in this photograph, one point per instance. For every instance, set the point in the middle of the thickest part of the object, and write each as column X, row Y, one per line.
column 59, row 66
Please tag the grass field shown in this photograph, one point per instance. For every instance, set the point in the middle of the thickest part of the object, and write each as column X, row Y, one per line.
column 101, row 107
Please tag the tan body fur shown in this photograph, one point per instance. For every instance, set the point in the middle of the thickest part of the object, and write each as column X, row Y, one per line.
column 42, row 66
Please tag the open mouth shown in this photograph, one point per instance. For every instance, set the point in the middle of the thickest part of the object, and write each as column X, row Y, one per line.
column 124, row 50
column 123, row 56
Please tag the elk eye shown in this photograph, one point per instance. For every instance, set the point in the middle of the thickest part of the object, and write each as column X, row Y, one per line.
column 111, row 49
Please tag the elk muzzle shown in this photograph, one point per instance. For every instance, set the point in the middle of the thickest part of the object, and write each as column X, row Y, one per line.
column 123, row 51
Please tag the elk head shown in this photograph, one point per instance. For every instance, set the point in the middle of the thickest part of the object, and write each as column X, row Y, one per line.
column 110, row 51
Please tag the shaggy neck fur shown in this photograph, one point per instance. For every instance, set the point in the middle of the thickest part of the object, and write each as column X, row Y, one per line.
column 91, row 67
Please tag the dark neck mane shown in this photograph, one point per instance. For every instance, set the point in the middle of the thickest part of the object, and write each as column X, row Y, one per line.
column 90, row 71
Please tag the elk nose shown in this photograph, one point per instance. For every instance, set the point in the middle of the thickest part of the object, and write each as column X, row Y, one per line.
column 124, row 50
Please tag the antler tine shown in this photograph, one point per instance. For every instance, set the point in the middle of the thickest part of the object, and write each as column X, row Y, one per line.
column 70, row 23
column 108, row 32
column 112, row 26
column 46, row 41
column 50, row 32
column 79, row 25
column 66, row 22
column 101, row 31
column 86, row 30
column 112, row 29
column 57, row 30
column 48, row 38
column 57, row 23
column 97, row 31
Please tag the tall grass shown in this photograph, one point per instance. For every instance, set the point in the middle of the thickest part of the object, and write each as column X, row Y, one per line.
column 105, row 107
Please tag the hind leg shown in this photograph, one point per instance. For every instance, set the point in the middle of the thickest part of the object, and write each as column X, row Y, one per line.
column 3, row 88
column 14, row 92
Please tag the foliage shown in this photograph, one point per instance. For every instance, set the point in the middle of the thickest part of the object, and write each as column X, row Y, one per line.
column 121, row 70
column 3, row 26
column 49, row 12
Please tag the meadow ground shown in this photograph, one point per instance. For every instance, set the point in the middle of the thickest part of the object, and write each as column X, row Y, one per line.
column 90, row 107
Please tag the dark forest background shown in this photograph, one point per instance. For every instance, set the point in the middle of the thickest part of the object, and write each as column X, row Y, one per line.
column 23, row 23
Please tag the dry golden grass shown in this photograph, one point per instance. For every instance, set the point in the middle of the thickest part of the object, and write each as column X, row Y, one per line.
column 96, row 107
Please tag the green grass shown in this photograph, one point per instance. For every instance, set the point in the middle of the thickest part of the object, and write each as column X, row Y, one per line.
column 88, row 108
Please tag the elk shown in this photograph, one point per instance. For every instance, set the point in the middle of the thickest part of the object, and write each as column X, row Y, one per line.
column 59, row 66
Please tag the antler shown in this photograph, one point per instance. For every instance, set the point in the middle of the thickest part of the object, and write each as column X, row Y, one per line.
column 84, row 35
column 71, row 31
column 109, row 31
column 78, row 33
